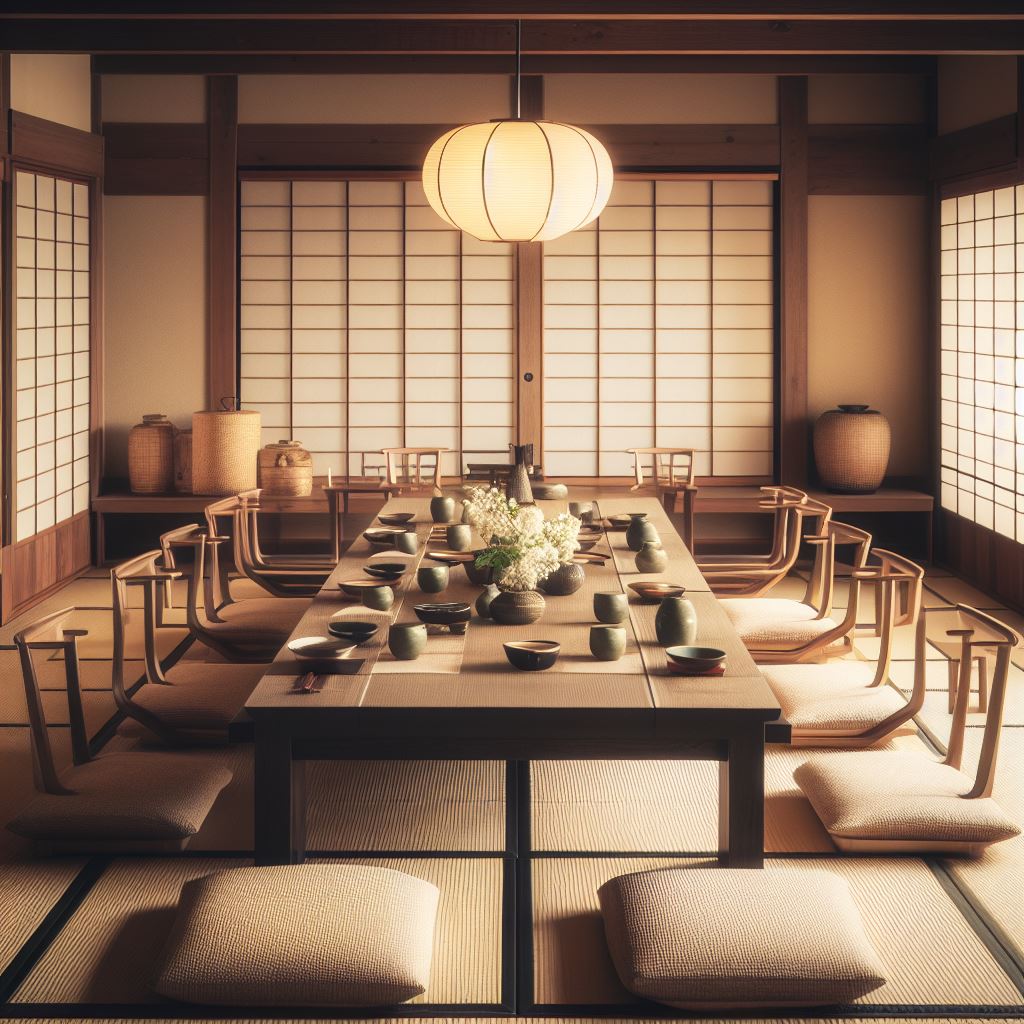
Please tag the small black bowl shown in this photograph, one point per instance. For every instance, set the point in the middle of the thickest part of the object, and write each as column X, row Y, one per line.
column 396, row 518
column 454, row 614
column 385, row 570
column 695, row 659
column 532, row 655
column 383, row 536
column 352, row 629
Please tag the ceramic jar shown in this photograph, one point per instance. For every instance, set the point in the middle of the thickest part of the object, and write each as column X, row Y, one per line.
column 607, row 643
column 675, row 622
column 459, row 537
column 565, row 580
column 285, row 469
column 651, row 558
column 640, row 531
column 611, row 606
column 851, row 449
column 442, row 508
column 406, row 640
column 151, row 455
column 432, row 579
column 408, row 543
column 518, row 486
column 517, row 607
column 380, row 599
column 480, row 576
column 483, row 602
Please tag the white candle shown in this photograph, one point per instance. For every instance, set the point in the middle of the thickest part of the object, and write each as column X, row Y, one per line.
column 328, row 476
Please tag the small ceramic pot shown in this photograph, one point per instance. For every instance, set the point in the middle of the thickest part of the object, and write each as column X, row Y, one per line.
column 459, row 537
column 465, row 513
column 611, row 606
column 517, row 607
column 566, row 579
column 582, row 510
column 483, row 602
column 675, row 622
column 481, row 577
column 651, row 558
column 432, row 579
column 406, row 640
column 408, row 543
column 379, row 598
column 607, row 643
column 640, row 531
column 442, row 508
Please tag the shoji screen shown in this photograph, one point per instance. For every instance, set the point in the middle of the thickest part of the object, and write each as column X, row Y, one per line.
column 367, row 322
column 982, row 362
column 51, row 367
column 658, row 330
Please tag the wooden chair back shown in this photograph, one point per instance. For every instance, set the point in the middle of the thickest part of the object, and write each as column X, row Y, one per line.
column 820, row 590
column 962, row 633
column 50, row 634
column 412, row 468
column 669, row 468
column 200, row 604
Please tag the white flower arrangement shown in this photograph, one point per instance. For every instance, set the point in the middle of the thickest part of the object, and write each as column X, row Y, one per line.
column 522, row 547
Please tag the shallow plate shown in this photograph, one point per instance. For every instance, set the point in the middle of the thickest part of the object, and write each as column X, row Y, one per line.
column 385, row 570
column 320, row 648
column 443, row 613
column 451, row 557
column 355, row 631
column 619, row 521
column 384, row 535
column 396, row 518
column 356, row 587
column 650, row 591
column 591, row 557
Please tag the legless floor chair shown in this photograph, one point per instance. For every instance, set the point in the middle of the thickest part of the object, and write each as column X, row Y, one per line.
column 193, row 702
column 905, row 802
column 135, row 802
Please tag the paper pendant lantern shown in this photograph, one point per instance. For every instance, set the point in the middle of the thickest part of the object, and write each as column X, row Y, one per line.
column 517, row 181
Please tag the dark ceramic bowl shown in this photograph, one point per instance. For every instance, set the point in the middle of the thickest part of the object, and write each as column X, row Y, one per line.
column 650, row 591
column 396, row 518
column 320, row 648
column 353, row 630
column 385, row 570
column 695, row 659
column 532, row 655
column 444, row 613
column 355, row 588
column 383, row 537
column 449, row 557
column 619, row 521
column 587, row 541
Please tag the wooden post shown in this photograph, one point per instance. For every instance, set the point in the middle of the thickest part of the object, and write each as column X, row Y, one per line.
column 222, row 233
column 792, row 411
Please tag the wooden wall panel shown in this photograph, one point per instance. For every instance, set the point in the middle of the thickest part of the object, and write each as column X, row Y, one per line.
column 868, row 160
column 156, row 159
column 993, row 563
column 56, row 146
column 982, row 147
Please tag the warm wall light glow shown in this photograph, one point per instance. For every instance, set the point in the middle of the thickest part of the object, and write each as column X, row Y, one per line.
column 517, row 181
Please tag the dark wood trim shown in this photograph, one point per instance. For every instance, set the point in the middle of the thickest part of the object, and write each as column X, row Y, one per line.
column 45, row 143
column 97, row 372
column 979, row 182
column 981, row 148
column 489, row 64
column 793, row 185
column 1020, row 113
column 34, row 568
column 990, row 561
column 853, row 159
column 624, row 36
column 157, row 159
column 5, row 109
column 7, row 359
column 222, row 238
column 690, row 145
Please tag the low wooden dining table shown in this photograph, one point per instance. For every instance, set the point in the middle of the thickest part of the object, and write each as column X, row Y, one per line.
column 461, row 700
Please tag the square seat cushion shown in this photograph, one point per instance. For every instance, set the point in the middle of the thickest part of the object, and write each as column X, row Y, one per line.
column 717, row 938
column 774, row 622
column 275, row 616
column 301, row 935
column 835, row 697
column 130, row 797
column 899, row 796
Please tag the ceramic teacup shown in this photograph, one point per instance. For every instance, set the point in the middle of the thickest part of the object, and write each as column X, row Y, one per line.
column 459, row 537
column 432, row 579
column 611, row 606
column 379, row 598
column 607, row 643
column 408, row 543
column 406, row 640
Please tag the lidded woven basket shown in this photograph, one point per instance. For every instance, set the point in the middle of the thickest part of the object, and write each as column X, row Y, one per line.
column 286, row 469
column 851, row 449
column 151, row 455
column 224, row 450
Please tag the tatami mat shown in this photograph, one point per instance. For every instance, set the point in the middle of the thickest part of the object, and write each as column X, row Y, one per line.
column 900, row 901
column 108, row 950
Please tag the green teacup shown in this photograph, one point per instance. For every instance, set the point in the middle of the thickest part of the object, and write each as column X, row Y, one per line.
column 607, row 643
column 459, row 537
column 408, row 543
column 432, row 579
column 611, row 606
column 378, row 598
column 406, row 640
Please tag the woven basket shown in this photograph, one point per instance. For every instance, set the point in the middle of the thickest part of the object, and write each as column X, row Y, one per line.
column 224, row 450
column 151, row 455
column 286, row 469
column 851, row 449
column 183, row 462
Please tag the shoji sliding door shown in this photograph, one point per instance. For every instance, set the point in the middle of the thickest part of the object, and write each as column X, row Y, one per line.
column 982, row 359
column 50, row 389
column 367, row 322
column 658, row 330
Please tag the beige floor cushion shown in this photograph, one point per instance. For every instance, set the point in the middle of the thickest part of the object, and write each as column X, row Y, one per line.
column 301, row 935
column 134, row 796
column 715, row 938
column 775, row 621
column 273, row 615
column 835, row 697
column 899, row 796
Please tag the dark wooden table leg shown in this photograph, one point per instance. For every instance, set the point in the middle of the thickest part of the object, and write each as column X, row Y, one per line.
column 688, row 527
column 335, row 518
column 280, row 798
column 741, row 802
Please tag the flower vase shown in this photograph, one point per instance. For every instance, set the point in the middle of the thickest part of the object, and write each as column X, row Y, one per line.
column 518, row 486
column 485, row 600
column 517, row 607
column 565, row 580
column 640, row 531
column 675, row 622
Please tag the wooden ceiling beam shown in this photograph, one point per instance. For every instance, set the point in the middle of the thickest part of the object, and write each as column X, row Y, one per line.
column 491, row 10
column 222, row 36
column 454, row 64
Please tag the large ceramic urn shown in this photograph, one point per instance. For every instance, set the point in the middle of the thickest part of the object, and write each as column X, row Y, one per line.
column 851, row 449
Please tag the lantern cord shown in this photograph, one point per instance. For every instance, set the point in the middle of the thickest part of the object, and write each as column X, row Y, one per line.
column 519, row 71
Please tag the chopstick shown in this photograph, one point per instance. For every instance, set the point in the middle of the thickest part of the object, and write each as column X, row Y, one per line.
column 307, row 683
